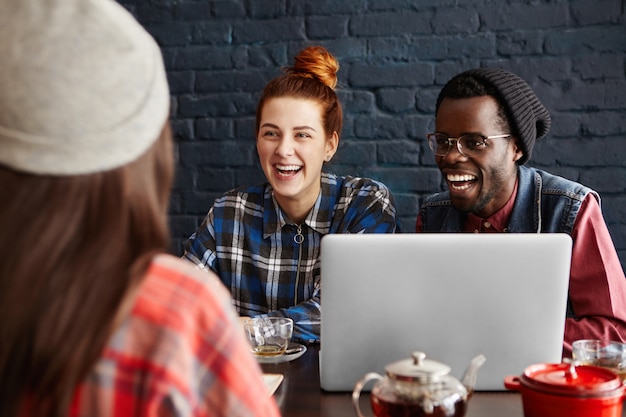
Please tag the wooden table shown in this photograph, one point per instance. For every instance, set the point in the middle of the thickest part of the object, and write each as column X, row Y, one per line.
column 300, row 395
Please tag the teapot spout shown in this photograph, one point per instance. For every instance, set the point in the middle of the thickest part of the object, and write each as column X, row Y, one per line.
column 469, row 379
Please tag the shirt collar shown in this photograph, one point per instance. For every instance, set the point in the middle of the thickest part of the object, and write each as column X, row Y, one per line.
column 319, row 217
column 497, row 222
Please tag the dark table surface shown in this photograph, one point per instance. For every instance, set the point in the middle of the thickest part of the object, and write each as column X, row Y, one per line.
column 300, row 395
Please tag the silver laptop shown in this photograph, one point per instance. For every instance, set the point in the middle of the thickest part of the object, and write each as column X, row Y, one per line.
column 451, row 296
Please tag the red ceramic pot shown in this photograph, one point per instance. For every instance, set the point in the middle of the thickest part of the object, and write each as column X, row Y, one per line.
column 555, row 390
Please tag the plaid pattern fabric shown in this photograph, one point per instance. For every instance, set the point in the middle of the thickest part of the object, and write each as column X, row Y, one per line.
column 272, row 266
column 180, row 352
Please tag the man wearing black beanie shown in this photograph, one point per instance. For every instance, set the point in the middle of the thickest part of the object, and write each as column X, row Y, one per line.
column 487, row 122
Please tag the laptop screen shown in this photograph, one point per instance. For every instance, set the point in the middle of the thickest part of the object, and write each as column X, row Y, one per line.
column 451, row 296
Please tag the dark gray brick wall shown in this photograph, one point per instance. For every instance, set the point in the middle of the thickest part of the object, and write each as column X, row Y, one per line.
column 395, row 55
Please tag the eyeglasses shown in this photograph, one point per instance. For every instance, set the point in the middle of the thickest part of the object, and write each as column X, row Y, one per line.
column 468, row 145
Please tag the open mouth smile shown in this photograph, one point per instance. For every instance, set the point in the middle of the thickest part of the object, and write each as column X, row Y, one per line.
column 460, row 182
column 287, row 170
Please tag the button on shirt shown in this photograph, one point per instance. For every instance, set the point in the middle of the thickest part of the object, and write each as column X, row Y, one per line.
column 271, row 265
column 496, row 223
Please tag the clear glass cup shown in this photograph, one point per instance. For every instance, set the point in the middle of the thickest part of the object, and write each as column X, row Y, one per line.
column 604, row 353
column 268, row 336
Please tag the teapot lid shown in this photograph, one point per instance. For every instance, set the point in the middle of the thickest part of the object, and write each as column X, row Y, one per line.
column 417, row 368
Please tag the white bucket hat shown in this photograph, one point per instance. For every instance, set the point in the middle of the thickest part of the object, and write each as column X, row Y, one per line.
column 82, row 86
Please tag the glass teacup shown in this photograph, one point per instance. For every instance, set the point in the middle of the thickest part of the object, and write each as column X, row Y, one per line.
column 268, row 336
column 604, row 353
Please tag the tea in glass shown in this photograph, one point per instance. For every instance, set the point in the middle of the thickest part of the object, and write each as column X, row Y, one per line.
column 268, row 336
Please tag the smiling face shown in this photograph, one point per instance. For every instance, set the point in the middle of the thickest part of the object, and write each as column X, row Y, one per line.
column 292, row 147
column 481, row 184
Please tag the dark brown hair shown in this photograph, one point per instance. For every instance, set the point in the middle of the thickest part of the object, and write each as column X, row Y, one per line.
column 72, row 250
column 314, row 77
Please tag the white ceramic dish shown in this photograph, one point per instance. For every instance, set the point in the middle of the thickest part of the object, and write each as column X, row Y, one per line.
column 272, row 382
column 294, row 351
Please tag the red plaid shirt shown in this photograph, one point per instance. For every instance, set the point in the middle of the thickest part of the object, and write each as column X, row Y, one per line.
column 180, row 352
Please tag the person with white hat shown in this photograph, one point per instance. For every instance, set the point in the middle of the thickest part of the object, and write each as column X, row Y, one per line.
column 97, row 320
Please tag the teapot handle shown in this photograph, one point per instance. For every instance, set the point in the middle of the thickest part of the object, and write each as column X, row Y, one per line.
column 356, row 394
column 512, row 382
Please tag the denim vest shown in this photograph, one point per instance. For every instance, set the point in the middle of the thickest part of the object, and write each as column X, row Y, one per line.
column 545, row 203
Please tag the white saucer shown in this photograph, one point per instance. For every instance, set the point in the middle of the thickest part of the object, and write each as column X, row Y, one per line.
column 297, row 349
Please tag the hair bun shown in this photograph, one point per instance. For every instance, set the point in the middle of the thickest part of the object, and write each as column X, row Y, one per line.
column 316, row 62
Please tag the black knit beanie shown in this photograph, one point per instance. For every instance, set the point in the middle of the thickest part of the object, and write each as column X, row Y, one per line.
column 528, row 118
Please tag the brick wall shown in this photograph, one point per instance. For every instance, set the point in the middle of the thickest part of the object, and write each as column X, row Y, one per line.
column 395, row 55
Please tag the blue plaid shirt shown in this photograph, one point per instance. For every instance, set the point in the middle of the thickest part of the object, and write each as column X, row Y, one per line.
column 271, row 265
